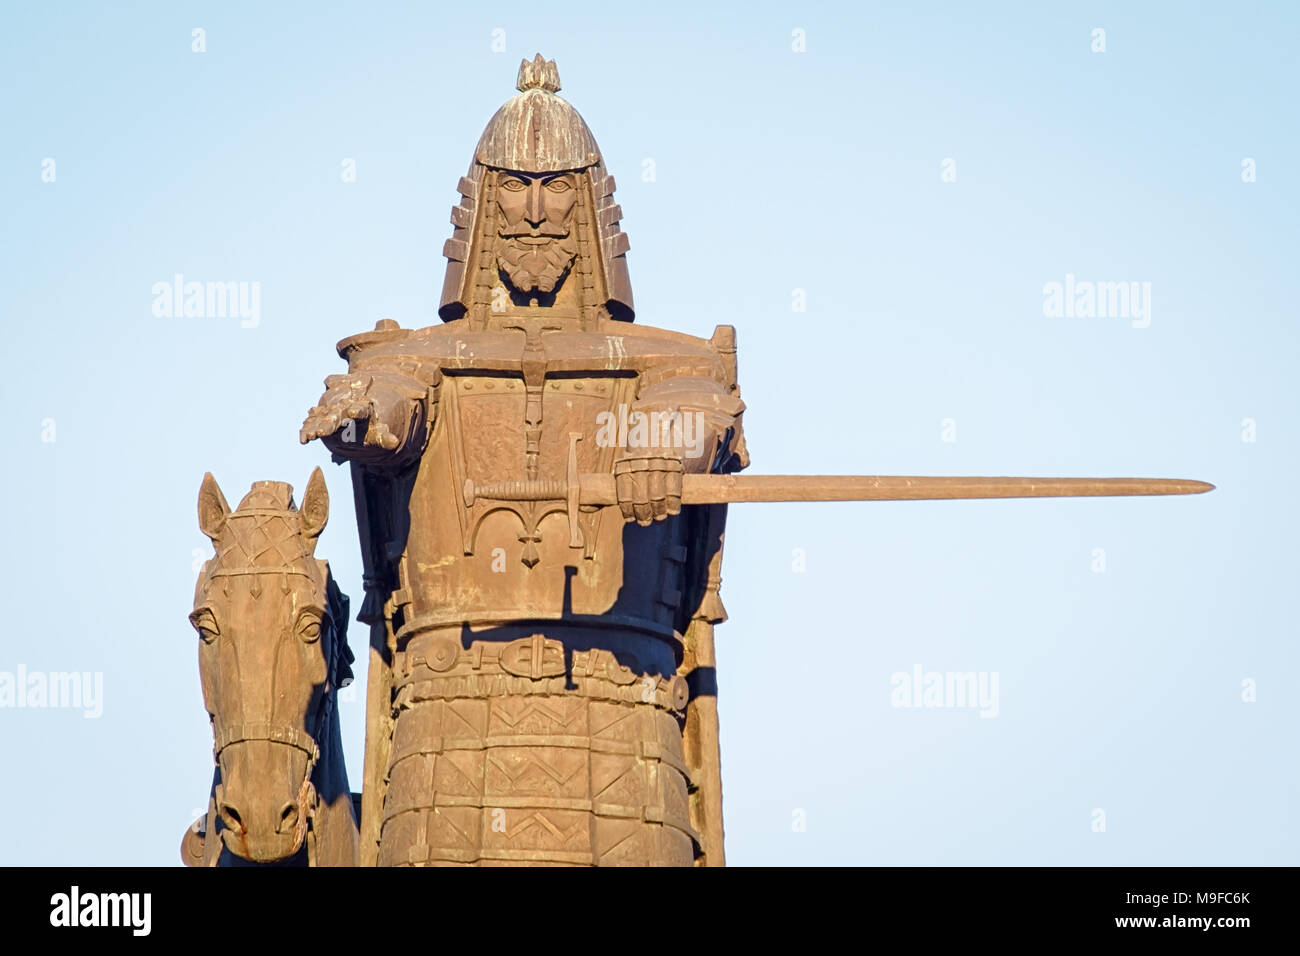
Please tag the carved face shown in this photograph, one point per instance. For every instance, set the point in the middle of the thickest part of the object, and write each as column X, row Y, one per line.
column 536, row 224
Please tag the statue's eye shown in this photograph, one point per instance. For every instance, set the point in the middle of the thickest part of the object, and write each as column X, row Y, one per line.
column 514, row 185
column 205, row 622
column 559, row 186
column 309, row 626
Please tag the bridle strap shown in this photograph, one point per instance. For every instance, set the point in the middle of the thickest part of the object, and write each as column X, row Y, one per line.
column 237, row 733
column 293, row 737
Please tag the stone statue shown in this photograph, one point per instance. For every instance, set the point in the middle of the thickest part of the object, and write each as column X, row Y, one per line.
column 541, row 487
column 533, row 660
column 273, row 652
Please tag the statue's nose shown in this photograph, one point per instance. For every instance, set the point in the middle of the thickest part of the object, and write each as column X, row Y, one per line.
column 534, row 207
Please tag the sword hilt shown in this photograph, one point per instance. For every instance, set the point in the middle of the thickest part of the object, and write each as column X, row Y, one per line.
column 543, row 489
column 568, row 490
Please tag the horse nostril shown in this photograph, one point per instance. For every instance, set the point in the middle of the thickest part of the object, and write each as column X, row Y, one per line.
column 288, row 817
column 230, row 817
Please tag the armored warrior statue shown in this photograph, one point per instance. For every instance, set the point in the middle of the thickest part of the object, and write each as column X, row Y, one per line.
column 541, row 489
column 536, row 658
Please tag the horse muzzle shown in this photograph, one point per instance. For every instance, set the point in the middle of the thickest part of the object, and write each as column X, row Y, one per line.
column 265, row 799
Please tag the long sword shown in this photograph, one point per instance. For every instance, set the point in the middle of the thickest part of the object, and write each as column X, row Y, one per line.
column 600, row 489
column 577, row 489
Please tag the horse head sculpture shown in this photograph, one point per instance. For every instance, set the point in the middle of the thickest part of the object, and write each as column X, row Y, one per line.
column 273, row 653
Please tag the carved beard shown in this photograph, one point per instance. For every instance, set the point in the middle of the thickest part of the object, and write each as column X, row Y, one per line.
column 537, row 267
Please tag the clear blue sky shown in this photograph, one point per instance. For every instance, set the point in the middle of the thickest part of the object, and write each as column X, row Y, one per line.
column 774, row 170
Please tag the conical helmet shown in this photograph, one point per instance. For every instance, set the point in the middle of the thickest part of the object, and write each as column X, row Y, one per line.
column 534, row 134
column 537, row 131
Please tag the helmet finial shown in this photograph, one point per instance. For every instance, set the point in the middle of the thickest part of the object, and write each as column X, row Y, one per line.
column 538, row 74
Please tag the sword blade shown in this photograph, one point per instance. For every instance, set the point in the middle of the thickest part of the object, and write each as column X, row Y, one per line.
column 731, row 489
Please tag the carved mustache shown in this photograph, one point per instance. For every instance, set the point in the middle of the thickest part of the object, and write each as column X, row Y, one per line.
column 547, row 229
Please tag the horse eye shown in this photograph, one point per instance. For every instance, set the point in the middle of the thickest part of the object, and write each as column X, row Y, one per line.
column 309, row 629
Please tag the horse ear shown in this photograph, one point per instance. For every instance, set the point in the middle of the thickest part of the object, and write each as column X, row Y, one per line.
column 212, row 508
column 315, row 508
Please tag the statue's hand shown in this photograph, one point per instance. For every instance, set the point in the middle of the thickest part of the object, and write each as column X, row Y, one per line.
column 364, row 415
column 347, row 400
column 649, row 487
